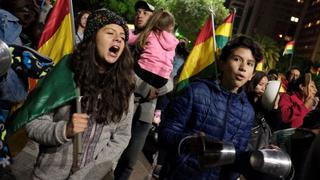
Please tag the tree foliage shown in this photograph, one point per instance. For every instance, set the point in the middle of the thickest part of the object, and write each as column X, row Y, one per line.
column 164, row 4
column 304, row 64
column 189, row 14
column 271, row 51
column 124, row 8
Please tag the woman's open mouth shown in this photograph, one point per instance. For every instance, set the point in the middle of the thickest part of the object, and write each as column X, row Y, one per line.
column 114, row 50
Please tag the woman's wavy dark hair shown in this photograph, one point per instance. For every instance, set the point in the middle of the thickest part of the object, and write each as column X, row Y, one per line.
column 104, row 96
column 294, row 86
column 79, row 16
column 251, row 85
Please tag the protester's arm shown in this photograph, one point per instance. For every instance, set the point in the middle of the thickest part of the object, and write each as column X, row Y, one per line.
column 291, row 111
column 286, row 108
column 146, row 91
column 132, row 38
column 168, row 87
column 46, row 132
column 142, row 88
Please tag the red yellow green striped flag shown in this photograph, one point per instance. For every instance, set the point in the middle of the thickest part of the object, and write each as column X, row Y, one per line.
column 224, row 31
column 289, row 48
column 201, row 58
column 57, row 38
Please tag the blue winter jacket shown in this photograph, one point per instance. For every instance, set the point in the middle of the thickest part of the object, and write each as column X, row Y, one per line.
column 204, row 107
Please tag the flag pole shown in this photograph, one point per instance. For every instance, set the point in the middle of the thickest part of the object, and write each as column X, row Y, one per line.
column 77, row 147
column 234, row 10
column 72, row 23
column 290, row 62
column 291, row 58
column 214, row 41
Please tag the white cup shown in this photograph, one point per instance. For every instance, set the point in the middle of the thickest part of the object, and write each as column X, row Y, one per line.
column 270, row 94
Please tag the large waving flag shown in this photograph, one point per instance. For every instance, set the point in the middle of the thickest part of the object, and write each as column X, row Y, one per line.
column 224, row 31
column 289, row 48
column 57, row 38
column 201, row 58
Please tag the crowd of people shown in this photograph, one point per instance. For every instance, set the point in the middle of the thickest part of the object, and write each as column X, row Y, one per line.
column 120, row 83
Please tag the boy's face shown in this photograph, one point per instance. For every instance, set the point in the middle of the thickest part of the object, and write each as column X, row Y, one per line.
column 238, row 69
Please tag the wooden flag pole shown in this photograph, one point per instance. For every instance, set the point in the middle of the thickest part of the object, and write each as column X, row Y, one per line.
column 77, row 140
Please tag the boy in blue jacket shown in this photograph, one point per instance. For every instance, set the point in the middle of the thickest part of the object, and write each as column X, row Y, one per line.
column 218, row 108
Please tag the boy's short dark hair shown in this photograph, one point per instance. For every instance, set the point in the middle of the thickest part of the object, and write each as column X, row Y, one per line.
column 245, row 42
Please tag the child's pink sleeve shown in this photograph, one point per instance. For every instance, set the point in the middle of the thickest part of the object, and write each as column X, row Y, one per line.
column 132, row 38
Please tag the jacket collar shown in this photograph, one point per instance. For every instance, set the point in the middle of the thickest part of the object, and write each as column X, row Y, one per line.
column 216, row 86
column 9, row 16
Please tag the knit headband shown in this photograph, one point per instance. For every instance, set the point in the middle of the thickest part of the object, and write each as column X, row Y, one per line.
column 102, row 17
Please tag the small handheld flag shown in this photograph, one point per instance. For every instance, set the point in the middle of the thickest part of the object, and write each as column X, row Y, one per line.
column 289, row 48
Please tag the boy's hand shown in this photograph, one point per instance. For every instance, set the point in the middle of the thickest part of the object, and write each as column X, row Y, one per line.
column 79, row 122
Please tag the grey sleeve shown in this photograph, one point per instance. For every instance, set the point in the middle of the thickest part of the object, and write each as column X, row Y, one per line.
column 98, row 168
column 166, row 88
column 46, row 132
column 143, row 88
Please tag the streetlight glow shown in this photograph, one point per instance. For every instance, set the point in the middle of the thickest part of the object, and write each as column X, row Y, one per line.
column 294, row 19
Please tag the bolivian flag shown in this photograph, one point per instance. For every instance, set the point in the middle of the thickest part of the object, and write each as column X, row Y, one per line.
column 288, row 48
column 224, row 31
column 57, row 38
column 201, row 58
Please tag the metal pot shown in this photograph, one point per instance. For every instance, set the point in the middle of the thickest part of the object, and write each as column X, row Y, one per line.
column 5, row 58
column 271, row 161
column 217, row 153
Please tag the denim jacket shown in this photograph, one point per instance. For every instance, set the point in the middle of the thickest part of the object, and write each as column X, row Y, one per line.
column 10, row 29
column 12, row 88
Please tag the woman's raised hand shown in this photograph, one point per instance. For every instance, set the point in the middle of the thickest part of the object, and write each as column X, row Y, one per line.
column 78, row 123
